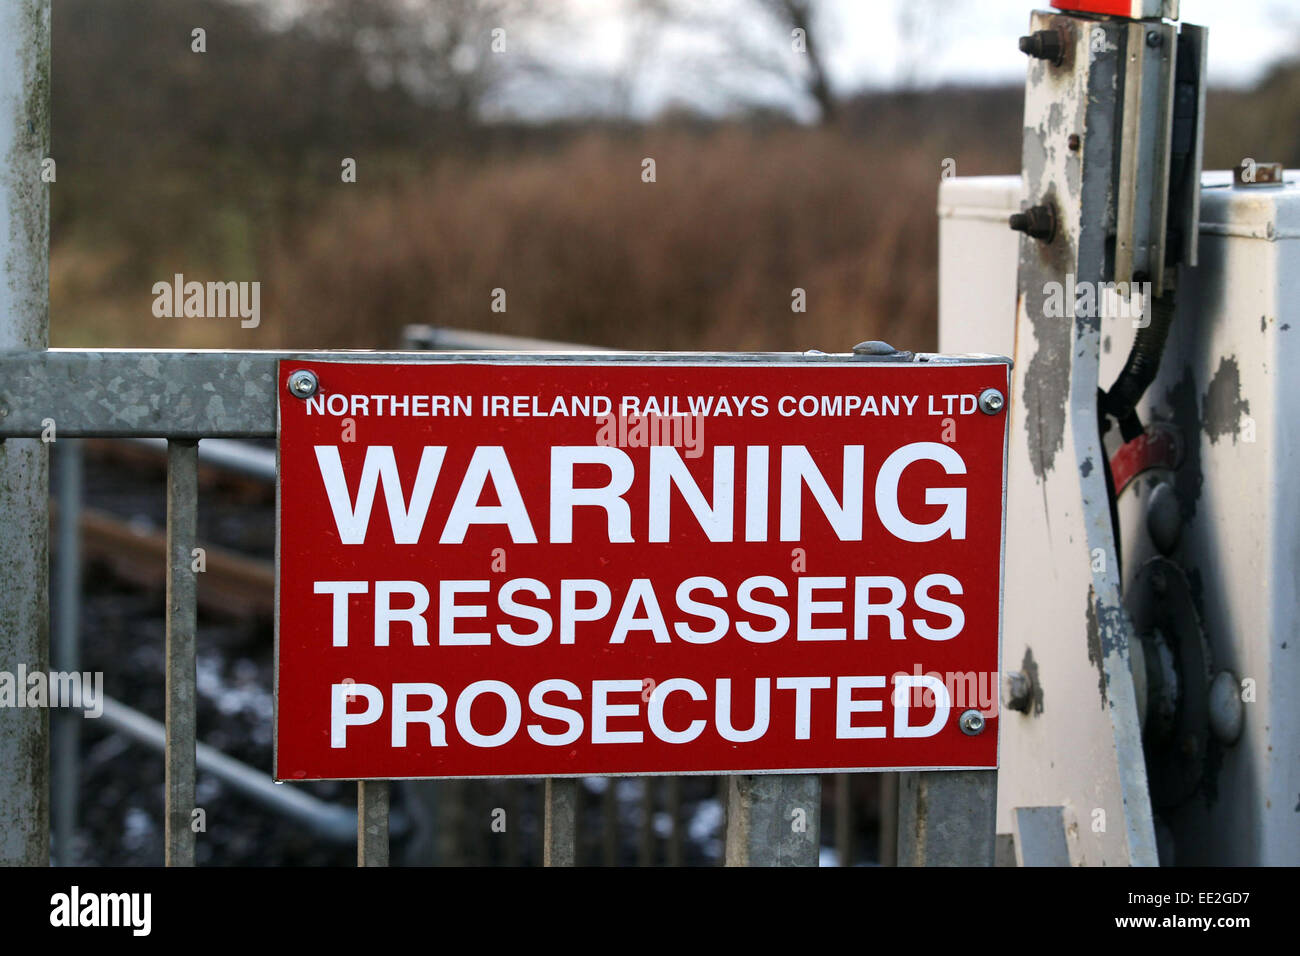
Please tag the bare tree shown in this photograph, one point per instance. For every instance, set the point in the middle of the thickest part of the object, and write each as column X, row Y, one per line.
column 801, row 19
column 755, row 45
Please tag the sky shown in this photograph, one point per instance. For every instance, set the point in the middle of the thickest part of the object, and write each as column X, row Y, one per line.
column 960, row 41
column 603, row 56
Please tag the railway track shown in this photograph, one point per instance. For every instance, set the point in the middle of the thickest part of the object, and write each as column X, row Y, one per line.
column 133, row 548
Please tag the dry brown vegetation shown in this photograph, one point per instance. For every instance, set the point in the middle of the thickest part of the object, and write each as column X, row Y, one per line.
column 707, row 256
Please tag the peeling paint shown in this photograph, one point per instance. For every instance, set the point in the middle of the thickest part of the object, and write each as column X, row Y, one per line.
column 1030, row 668
column 1223, row 404
column 1095, row 655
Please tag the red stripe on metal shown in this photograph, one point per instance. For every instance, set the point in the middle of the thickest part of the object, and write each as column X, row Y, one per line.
column 1117, row 8
column 1157, row 447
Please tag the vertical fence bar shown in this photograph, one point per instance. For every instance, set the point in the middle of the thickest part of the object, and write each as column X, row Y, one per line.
column 609, row 822
column 947, row 818
column 372, row 823
column 843, row 819
column 560, row 822
column 677, row 837
column 513, row 820
column 24, row 467
column 645, row 850
column 888, row 832
column 773, row 820
column 67, row 650
column 182, row 625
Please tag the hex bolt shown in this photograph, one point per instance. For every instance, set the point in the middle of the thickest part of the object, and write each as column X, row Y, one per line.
column 971, row 722
column 1044, row 45
column 1017, row 691
column 303, row 384
column 1038, row 222
column 1074, row 142
column 992, row 401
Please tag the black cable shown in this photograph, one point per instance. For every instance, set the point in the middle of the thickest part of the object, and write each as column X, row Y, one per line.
column 1120, row 402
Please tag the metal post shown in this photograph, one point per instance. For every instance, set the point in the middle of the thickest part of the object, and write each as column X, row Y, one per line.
column 67, row 650
column 560, row 822
column 452, row 824
column 888, row 819
column 609, row 822
column 676, row 838
column 947, row 818
column 645, row 849
column 372, row 823
column 182, row 625
column 773, row 820
column 511, row 806
column 843, row 820
column 24, row 475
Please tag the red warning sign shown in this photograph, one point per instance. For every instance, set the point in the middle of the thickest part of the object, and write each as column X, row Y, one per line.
column 550, row 567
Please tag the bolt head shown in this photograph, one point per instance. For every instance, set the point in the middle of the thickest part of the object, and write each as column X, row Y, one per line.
column 992, row 401
column 302, row 384
column 971, row 722
column 1037, row 222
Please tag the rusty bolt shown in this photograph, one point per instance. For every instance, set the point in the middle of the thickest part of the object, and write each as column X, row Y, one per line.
column 1044, row 45
column 1038, row 222
column 1074, row 142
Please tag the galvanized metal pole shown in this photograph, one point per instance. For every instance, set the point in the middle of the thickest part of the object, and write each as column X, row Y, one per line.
column 182, row 627
column 888, row 829
column 676, row 838
column 560, row 822
column 67, row 647
column 609, row 823
column 24, row 467
column 774, row 820
column 372, row 823
column 947, row 818
column 843, row 820
column 645, row 848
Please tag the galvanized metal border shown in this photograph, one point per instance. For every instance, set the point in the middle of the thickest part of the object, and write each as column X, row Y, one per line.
column 221, row 394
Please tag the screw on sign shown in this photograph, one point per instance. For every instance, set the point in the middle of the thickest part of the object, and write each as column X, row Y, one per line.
column 489, row 577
